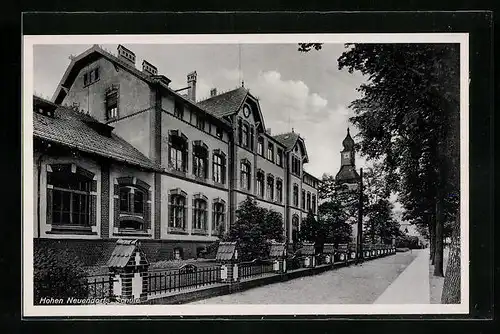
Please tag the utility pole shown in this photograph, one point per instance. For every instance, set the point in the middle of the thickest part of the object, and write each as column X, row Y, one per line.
column 360, row 217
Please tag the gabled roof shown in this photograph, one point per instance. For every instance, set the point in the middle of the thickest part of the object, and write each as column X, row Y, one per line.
column 225, row 104
column 78, row 130
column 289, row 140
column 347, row 173
column 96, row 52
column 123, row 253
column 226, row 251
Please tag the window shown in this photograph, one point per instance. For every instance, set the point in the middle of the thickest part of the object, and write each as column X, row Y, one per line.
column 177, row 217
column 91, row 76
column 295, row 228
column 260, row 146
column 314, row 203
column 70, row 196
column 219, row 168
column 179, row 110
column 279, row 157
column 133, row 203
column 219, row 216
column 218, row 132
column 270, row 151
column 178, row 152
column 200, row 157
column 245, row 175
column 240, row 131
column 279, row 190
column 200, row 122
column 303, row 199
column 295, row 195
column 270, row 187
column 177, row 253
column 245, row 134
column 295, row 165
column 260, row 184
column 199, row 214
column 308, row 201
column 112, row 104
column 251, row 138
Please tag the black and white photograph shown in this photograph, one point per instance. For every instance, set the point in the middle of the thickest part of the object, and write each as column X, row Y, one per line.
column 245, row 174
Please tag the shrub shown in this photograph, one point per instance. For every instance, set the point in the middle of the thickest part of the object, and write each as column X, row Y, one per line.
column 58, row 274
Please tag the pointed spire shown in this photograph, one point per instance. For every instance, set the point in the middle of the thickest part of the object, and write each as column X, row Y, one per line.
column 347, row 130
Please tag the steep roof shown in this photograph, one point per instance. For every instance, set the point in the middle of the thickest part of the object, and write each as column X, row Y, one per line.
column 226, row 251
column 347, row 173
column 224, row 104
column 348, row 142
column 287, row 139
column 78, row 130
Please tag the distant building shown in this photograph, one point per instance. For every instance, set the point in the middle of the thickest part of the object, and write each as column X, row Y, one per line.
column 119, row 154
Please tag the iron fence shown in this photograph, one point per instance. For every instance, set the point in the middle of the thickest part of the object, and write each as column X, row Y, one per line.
column 255, row 268
column 97, row 286
column 163, row 281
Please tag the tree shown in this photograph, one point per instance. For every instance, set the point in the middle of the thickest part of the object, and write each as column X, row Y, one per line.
column 310, row 230
column 408, row 118
column 254, row 228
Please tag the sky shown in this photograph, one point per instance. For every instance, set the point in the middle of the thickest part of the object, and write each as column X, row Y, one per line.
column 303, row 91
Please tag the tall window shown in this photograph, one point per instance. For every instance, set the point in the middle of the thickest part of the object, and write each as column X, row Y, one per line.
column 179, row 110
column 178, row 152
column 295, row 165
column 71, row 197
column 279, row 157
column 91, row 76
column 219, row 216
column 133, row 207
column 251, row 139
column 219, row 168
column 240, row 131
column 270, row 151
column 199, row 214
column 245, row 175
column 260, row 146
column 200, row 122
column 314, row 203
column 303, row 202
column 270, row 187
column 177, row 217
column 200, row 161
column 295, row 228
column 245, row 136
column 308, row 201
column 279, row 190
column 260, row 184
column 295, row 195
column 112, row 104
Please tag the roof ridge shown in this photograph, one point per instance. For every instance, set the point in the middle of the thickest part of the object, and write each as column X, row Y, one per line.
column 220, row 94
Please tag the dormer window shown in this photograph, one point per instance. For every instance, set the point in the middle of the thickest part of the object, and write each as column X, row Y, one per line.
column 112, row 104
column 179, row 110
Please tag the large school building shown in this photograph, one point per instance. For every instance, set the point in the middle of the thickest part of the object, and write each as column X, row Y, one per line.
column 119, row 154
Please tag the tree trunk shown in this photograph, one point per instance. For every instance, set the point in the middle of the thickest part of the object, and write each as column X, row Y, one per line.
column 438, row 250
column 451, row 286
column 432, row 235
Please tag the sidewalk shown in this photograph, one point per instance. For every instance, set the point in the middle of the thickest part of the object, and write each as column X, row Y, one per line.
column 412, row 286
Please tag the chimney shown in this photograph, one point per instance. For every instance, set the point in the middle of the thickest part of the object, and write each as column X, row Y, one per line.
column 191, row 81
column 148, row 68
column 213, row 92
column 126, row 55
column 268, row 131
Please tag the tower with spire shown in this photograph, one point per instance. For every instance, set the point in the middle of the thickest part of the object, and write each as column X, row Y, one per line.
column 347, row 172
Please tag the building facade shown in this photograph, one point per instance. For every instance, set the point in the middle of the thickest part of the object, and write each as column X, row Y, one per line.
column 120, row 154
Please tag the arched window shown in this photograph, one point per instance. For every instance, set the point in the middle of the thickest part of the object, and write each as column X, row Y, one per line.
column 245, row 175
column 295, row 194
column 200, row 160
column 219, row 167
column 279, row 190
column 199, row 214
column 260, row 184
column 270, row 187
column 70, row 200
column 178, row 150
column 132, row 204
column 308, row 201
column 219, row 217
column 295, row 228
column 314, row 203
column 177, row 216
column 303, row 199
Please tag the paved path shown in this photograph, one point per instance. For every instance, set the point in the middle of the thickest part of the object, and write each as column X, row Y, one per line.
column 412, row 286
column 360, row 284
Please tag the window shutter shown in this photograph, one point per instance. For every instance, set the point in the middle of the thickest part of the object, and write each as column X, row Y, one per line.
column 49, row 206
column 116, row 205
column 93, row 210
column 147, row 210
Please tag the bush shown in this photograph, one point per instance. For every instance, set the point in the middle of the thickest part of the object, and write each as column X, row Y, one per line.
column 57, row 273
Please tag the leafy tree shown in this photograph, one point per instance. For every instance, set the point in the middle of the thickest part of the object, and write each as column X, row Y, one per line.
column 310, row 229
column 254, row 228
column 333, row 221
